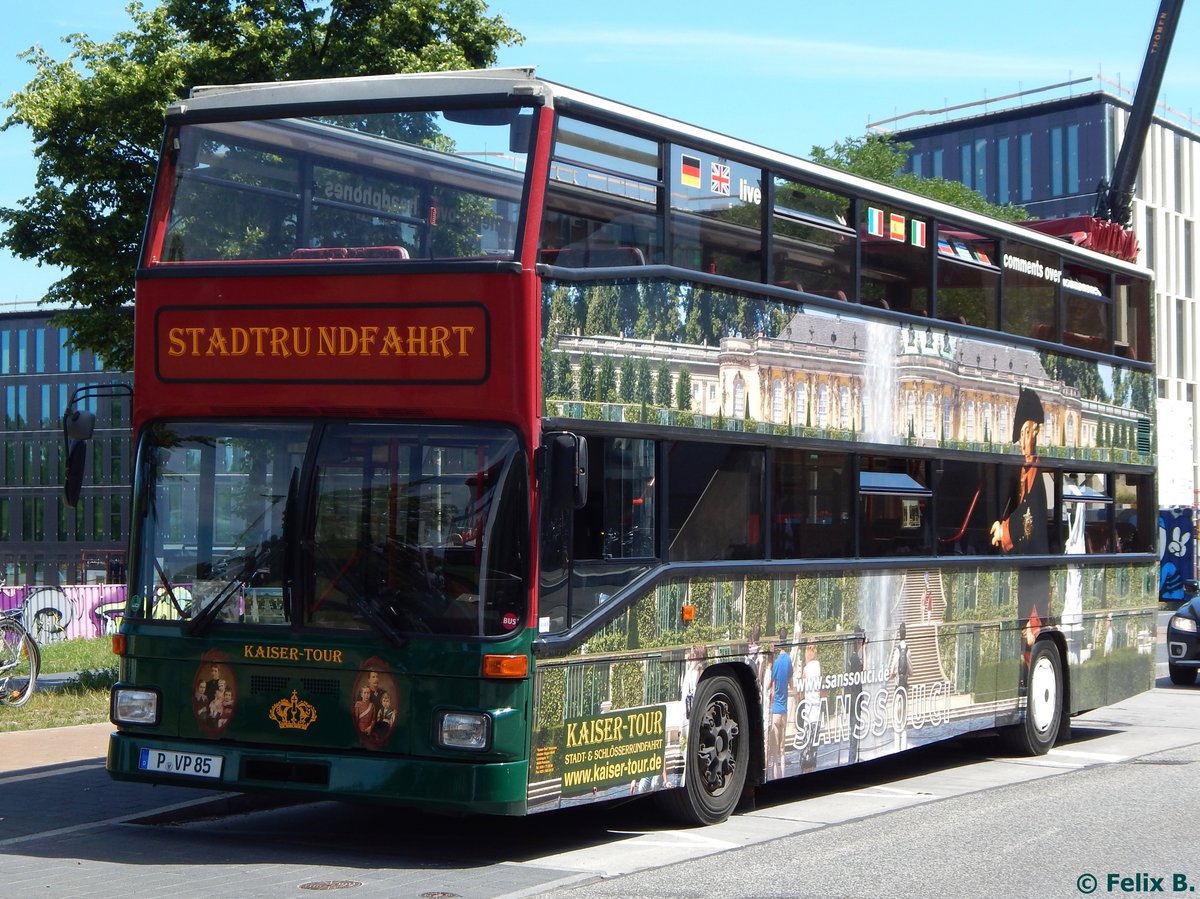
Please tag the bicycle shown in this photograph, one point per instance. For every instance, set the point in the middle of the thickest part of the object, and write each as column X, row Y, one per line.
column 20, row 660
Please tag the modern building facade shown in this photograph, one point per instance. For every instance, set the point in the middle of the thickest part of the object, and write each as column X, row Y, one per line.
column 1051, row 157
column 43, row 540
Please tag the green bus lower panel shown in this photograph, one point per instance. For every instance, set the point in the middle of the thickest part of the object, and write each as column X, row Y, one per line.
column 447, row 786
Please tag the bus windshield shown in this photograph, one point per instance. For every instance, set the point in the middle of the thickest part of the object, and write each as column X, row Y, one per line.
column 385, row 186
column 398, row 528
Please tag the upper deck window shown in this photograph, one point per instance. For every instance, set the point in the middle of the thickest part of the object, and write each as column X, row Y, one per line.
column 600, row 202
column 968, row 278
column 895, row 259
column 412, row 185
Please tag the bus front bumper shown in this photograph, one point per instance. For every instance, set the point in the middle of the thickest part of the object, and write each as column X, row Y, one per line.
column 491, row 788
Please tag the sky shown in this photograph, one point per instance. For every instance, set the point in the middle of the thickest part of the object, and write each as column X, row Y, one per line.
column 787, row 74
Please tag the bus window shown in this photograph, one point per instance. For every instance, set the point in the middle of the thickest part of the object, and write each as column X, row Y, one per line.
column 968, row 280
column 714, row 506
column 217, row 497
column 895, row 259
column 812, row 246
column 1087, row 309
column 1087, row 514
column 965, row 508
column 716, row 214
column 893, row 507
column 1132, row 318
column 401, row 540
column 601, row 199
column 618, row 521
column 350, row 188
column 1030, row 291
column 811, row 505
column 1136, row 515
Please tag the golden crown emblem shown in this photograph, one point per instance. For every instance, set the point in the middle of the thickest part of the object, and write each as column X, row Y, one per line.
column 293, row 714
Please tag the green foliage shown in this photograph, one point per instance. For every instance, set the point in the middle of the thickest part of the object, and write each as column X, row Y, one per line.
column 606, row 380
column 96, row 120
column 643, row 382
column 625, row 389
column 878, row 157
column 683, row 390
column 662, row 386
column 587, row 378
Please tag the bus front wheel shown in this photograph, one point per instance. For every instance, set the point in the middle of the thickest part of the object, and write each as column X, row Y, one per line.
column 716, row 754
column 1038, row 729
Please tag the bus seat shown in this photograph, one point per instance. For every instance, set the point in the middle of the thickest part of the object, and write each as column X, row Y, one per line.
column 378, row 252
column 320, row 253
column 350, row 253
column 598, row 257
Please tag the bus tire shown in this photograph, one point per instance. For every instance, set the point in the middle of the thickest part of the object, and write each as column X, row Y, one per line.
column 716, row 755
column 1039, row 726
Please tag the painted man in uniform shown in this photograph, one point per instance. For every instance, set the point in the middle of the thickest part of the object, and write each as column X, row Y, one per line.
column 1022, row 530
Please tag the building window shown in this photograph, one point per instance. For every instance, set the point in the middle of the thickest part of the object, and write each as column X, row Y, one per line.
column 1072, row 159
column 966, row 167
column 1026, row 166
column 739, row 397
column 1002, row 171
column 981, row 184
column 937, row 164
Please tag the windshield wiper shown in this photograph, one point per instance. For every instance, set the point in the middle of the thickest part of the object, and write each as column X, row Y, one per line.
column 208, row 614
column 368, row 609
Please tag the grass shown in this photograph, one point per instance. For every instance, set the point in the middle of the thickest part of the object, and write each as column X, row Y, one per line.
column 82, row 700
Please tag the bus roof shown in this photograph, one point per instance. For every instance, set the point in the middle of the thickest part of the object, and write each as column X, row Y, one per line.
column 260, row 100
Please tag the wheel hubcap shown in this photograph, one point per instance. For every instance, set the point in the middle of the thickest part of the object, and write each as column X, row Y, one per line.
column 1043, row 695
column 717, row 745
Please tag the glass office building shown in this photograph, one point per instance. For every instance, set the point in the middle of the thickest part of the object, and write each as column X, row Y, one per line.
column 1050, row 157
column 42, row 539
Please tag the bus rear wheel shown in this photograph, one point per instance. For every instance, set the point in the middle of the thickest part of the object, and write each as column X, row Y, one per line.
column 1039, row 727
column 716, row 755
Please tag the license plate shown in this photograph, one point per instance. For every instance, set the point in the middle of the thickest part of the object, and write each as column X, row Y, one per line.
column 189, row 764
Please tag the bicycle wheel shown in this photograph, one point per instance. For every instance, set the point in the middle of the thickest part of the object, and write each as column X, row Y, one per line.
column 20, row 662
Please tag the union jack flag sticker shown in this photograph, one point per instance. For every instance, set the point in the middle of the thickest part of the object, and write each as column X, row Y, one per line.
column 719, row 179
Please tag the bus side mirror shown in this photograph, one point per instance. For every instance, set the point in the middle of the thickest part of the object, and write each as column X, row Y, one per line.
column 520, row 134
column 568, row 470
column 78, row 427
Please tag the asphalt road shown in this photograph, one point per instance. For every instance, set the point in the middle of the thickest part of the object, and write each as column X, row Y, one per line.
column 952, row 820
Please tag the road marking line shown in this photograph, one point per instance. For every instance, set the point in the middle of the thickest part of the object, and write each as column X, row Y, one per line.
column 120, row 819
column 1093, row 756
column 74, row 769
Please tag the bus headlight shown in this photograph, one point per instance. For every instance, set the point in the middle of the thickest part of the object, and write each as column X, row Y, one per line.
column 1182, row 624
column 464, row 730
column 134, row 706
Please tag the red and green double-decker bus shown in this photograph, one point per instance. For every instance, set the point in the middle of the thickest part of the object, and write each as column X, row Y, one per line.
column 502, row 448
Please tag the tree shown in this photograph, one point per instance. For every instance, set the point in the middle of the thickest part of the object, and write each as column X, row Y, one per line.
column 587, row 378
column 683, row 389
column 663, row 394
column 96, row 119
column 878, row 157
column 606, row 380
column 625, row 389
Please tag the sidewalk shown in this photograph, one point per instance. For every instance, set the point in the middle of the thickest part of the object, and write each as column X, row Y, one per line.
column 24, row 749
